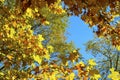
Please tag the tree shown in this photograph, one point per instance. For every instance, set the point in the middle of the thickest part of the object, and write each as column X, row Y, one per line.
column 106, row 55
column 32, row 42
column 102, row 13
column 29, row 53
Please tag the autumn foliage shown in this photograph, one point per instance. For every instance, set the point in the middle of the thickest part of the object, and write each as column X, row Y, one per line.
column 32, row 40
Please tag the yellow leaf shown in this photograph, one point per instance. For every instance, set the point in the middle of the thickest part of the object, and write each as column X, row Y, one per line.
column 53, row 77
column 29, row 13
column 91, row 62
column 1, row 73
column 66, row 64
column 2, row 0
column 12, row 16
column 14, row 24
column 88, row 68
column 118, row 48
column 36, row 9
column 40, row 38
column 50, row 48
column 95, row 77
column 14, row 77
column 47, row 56
column 23, row 55
column 74, row 51
column 37, row 58
column 9, row 57
column 114, row 74
column 45, row 75
column 82, row 64
column 70, row 76
column 12, row 32
column 46, row 23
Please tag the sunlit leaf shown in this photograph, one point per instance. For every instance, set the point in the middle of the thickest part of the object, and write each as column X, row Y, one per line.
column 70, row 76
column 10, row 57
column 37, row 58
column 91, row 62
column 114, row 74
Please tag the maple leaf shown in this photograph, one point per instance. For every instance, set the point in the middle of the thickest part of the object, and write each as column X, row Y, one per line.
column 81, row 64
column 91, row 62
column 50, row 48
column 29, row 13
column 70, row 76
column 37, row 58
column 114, row 74
column 95, row 76
column 118, row 48
column 45, row 22
column 9, row 57
column 2, row 1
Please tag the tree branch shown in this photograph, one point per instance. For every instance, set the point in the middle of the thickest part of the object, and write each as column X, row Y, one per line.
column 116, row 66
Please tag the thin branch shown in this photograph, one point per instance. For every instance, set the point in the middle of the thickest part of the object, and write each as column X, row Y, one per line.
column 116, row 66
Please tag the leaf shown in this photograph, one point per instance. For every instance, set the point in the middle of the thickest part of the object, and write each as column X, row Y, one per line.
column 1, row 73
column 9, row 57
column 40, row 37
column 118, row 48
column 80, row 64
column 93, row 71
column 47, row 56
column 37, row 58
column 70, row 76
column 45, row 22
column 74, row 51
column 53, row 75
column 29, row 13
column 36, row 9
column 50, row 49
column 12, row 32
column 91, row 62
column 114, row 74
column 2, row 1
column 95, row 77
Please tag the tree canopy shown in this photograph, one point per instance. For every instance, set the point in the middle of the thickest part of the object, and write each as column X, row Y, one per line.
column 33, row 43
column 102, row 13
column 106, row 55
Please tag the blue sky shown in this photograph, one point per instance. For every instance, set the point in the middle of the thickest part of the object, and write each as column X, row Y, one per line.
column 79, row 33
